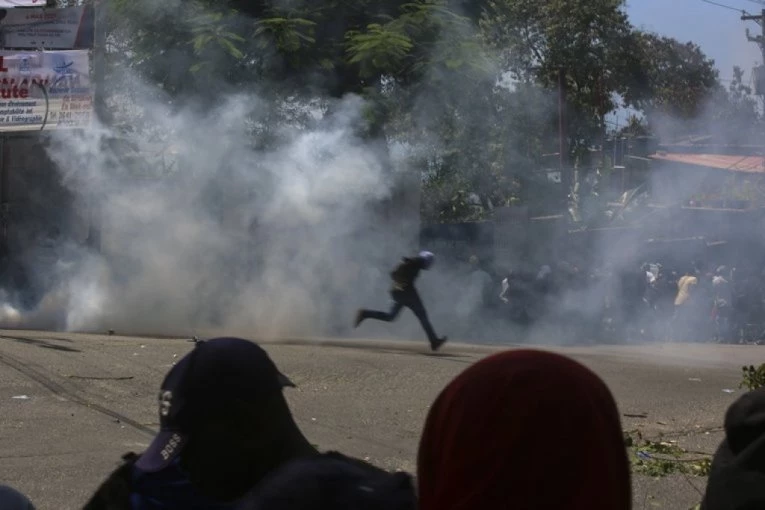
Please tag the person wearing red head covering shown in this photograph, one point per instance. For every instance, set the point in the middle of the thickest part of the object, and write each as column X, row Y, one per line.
column 524, row 430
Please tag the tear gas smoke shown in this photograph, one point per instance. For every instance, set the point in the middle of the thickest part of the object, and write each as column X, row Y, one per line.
column 225, row 220
column 260, row 242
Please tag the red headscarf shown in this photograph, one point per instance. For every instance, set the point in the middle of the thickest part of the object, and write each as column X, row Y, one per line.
column 524, row 430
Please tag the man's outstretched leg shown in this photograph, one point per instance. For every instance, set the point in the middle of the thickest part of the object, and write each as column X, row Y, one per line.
column 411, row 299
column 390, row 316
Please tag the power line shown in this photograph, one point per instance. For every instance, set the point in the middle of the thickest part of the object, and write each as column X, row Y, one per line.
column 742, row 11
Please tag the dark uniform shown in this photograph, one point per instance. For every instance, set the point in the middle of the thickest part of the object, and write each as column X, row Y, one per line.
column 405, row 295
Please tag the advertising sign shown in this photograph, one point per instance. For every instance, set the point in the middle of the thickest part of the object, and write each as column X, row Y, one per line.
column 45, row 90
column 48, row 29
column 8, row 4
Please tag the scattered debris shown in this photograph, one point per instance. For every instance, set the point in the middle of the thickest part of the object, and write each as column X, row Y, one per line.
column 20, row 397
column 641, row 415
column 110, row 332
column 659, row 458
column 729, row 391
column 660, row 423
column 143, row 347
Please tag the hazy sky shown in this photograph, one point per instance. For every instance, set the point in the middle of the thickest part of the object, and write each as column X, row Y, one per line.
column 720, row 32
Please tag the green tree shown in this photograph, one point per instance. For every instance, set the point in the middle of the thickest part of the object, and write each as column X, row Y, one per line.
column 490, row 151
column 590, row 40
column 736, row 111
column 676, row 79
column 425, row 74
column 394, row 53
column 331, row 48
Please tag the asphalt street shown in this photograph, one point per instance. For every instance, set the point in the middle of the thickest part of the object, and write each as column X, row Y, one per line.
column 72, row 404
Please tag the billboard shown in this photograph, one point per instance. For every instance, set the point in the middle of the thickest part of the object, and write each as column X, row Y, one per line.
column 45, row 90
column 48, row 29
column 8, row 4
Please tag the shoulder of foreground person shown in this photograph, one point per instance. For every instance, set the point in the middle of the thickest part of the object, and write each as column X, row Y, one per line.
column 114, row 492
column 332, row 481
column 733, row 488
column 737, row 478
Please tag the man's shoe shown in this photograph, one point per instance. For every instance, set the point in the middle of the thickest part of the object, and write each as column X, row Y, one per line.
column 435, row 345
column 359, row 318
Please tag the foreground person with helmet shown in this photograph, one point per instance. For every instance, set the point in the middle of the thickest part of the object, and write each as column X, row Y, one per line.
column 226, row 428
column 405, row 295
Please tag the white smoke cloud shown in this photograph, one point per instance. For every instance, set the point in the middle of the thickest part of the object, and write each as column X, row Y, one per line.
column 272, row 242
column 230, row 221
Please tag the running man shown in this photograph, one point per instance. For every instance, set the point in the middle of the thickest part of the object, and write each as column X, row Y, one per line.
column 405, row 295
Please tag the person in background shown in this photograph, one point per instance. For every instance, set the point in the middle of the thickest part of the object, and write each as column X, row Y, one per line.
column 224, row 426
column 685, row 306
column 482, row 282
column 475, row 292
column 404, row 294
column 524, row 429
column 723, row 301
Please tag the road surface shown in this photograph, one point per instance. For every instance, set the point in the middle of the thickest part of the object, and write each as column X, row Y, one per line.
column 72, row 404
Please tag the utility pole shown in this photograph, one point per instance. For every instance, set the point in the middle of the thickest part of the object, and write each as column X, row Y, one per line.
column 759, row 72
column 565, row 170
column 5, row 207
column 95, row 216
column 759, row 39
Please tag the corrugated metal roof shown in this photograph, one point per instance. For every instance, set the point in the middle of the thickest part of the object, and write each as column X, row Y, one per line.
column 749, row 164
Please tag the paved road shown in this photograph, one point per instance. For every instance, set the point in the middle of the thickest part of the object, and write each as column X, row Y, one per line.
column 72, row 404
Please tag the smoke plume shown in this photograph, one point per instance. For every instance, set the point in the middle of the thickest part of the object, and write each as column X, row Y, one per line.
column 219, row 235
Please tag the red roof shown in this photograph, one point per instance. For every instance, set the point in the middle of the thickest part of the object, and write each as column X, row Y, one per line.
column 749, row 164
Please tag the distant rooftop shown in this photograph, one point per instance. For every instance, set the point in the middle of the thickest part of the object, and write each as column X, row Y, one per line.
column 709, row 144
column 748, row 164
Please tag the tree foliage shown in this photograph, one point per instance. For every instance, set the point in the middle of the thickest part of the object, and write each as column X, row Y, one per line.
column 753, row 378
column 678, row 79
column 472, row 84
column 332, row 47
column 589, row 40
column 737, row 111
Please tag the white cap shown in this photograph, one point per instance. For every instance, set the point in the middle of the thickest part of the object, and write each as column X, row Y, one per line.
column 427, row 257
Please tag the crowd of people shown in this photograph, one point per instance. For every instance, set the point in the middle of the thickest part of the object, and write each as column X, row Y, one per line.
column 522, row 428
column 641, row 302
column 519, row 429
